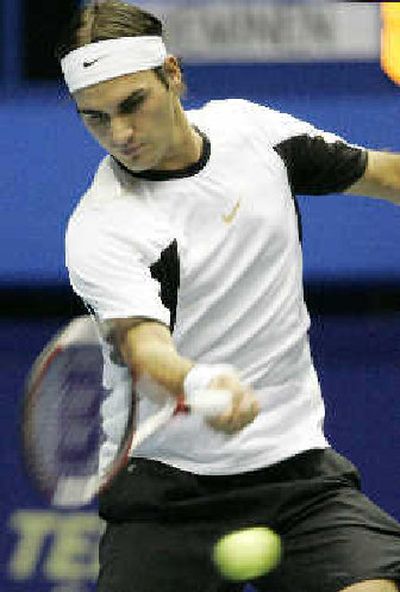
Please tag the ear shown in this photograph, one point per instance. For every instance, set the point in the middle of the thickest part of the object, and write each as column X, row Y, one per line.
column 173, row 72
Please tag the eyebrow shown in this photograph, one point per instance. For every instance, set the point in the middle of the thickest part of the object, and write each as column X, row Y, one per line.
column 137, row 94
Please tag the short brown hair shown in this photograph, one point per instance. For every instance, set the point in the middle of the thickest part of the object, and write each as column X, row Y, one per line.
column 100, row 20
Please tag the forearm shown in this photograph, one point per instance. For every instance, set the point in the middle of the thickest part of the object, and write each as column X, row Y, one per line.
column 160, row 372
column 381, row 179
column 156, row 366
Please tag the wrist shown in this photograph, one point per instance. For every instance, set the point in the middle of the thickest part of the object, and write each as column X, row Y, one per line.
column 200, row 376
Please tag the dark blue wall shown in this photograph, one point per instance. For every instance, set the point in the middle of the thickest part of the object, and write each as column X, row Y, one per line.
column 357, row 359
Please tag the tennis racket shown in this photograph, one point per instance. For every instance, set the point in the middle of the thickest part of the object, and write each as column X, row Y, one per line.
column 62, row 419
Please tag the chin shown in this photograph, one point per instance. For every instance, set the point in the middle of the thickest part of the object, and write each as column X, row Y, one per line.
column 134, row 164
column 136, row 167
column 137, row 164
column 141, row 166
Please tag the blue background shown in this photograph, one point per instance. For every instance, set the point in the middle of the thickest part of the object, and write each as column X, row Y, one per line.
column 48, row 160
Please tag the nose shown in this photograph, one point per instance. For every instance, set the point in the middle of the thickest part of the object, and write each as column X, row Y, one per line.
column 121, row 131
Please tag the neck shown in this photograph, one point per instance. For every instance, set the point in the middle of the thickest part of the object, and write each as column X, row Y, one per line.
column 187, row 144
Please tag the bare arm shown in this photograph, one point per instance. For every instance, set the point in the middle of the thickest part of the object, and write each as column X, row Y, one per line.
column 147, row 348
column 381, row 178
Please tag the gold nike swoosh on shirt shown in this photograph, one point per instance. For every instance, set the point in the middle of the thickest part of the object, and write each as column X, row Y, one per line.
column 228, row 219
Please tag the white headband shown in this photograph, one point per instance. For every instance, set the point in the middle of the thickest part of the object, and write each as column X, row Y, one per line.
column 109, row 59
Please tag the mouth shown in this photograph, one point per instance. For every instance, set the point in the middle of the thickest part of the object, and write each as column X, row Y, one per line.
column 133, row 151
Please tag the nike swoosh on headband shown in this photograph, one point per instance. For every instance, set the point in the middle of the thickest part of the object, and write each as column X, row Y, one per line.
column 88, row 64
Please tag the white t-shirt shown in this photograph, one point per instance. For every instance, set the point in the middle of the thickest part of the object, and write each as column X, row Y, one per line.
column 214, row 253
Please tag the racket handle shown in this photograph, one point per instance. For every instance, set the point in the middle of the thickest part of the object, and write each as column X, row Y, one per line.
column 75, row 491
column 209, row 402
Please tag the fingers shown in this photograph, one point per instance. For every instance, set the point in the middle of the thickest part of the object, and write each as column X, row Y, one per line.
column 243, row 411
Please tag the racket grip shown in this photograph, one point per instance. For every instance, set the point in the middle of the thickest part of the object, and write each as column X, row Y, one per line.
column 209, row 402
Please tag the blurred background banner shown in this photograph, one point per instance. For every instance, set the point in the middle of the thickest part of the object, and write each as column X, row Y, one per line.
column 244, row 30
column 316, row 60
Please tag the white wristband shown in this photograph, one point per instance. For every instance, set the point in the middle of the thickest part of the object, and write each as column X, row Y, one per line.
column 200, row 376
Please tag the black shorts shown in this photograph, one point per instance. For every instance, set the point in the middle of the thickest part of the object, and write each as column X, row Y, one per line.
column 162, row 523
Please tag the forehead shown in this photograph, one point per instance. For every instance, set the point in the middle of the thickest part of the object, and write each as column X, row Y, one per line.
column 109, row 94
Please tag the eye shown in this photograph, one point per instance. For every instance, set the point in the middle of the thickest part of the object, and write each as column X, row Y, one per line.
column 97, row 118
column 132, row 105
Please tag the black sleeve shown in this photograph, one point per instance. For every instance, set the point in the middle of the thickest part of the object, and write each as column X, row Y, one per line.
column 317, row 167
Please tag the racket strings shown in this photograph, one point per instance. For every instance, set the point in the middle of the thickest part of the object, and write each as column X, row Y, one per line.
column 63, row 427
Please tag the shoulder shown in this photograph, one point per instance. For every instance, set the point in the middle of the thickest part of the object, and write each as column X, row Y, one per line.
column 270, row 125
column 105, row 187
column 105, row 215
column 113, row 221
column 221, row 112
column 109, row 203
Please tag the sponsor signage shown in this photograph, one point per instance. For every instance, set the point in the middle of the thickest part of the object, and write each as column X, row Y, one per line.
column 258, row 31
column 55, row 551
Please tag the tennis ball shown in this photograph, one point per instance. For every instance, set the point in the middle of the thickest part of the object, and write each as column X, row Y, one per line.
column 248, row 553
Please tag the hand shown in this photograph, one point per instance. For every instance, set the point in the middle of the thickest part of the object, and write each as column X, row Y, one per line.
column 244, row 408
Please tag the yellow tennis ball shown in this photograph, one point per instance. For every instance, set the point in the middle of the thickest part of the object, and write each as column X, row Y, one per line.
column 248, row 553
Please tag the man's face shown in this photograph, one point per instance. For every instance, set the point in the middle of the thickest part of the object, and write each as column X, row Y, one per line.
column 132, row 117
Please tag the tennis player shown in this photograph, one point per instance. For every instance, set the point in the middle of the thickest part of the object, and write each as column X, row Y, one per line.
column 186, row 248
